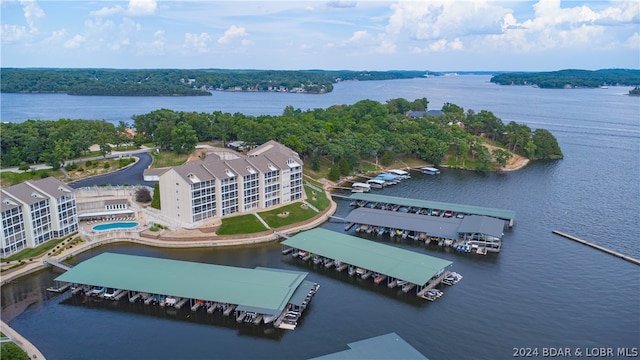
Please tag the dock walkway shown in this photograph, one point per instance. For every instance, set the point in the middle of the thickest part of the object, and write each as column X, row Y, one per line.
column 598, row 247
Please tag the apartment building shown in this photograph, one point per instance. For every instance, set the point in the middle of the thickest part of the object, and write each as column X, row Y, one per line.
column 268, row 176
column 34, row 212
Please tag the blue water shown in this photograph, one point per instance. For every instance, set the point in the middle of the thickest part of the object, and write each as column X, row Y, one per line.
column 541, row 291
column 115, row 225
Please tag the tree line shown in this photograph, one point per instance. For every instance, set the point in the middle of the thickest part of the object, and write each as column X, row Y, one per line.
column 171, row 82
column 344, row 134
column 571, row 78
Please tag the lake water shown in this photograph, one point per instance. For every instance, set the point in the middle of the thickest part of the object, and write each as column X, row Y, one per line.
column 541, row 291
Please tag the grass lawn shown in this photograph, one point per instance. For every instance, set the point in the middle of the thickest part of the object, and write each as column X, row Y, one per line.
column 296, row 213
column 243, row 224
column 8, row 178
column 167, row 158
column 321, row 201
column 30, row 253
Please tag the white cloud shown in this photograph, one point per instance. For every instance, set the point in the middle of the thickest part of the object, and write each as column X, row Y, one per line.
column 359, row 35
column 134, row 8
column 142, row 7
column 108, row 11
column 197, row 42
column 75, row 42
column 13, row 33
column 341, row 4
column 483, row 26
column 231, row 33
column 633, row 41
column 32, row 14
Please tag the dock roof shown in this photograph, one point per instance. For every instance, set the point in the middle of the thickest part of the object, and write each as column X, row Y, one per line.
column 389, row 346
column 432, row 225
column 448, row 228
column 265, row 290
column 385, row 259
column 428, row 204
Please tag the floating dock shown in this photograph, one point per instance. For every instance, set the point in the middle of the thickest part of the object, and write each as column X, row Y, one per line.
column 598, row 247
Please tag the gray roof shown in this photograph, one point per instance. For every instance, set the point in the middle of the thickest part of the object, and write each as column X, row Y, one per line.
column 194, row 168
column 239, row 166
column 384, row 259
column 116, row 201
column 51, row 186
column 432, row 225
column 448, row 228
column 214, row 167
column 428, row 204
column 7, row 202
column 267, row 290
column 383, row 347
column 482, row 225
column 26, row 194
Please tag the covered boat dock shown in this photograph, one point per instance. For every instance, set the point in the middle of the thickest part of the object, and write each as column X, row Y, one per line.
column 364, row 258
column 394, row 202
column 389, row 346
column 481, row 232
column 252, row 295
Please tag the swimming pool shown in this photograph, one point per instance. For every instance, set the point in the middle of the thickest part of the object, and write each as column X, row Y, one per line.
column 115, row 225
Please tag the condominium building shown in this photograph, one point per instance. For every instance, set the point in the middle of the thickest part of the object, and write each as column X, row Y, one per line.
column 34, row 212
column 270, row 175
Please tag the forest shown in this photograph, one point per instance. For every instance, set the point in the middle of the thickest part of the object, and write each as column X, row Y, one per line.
column 174, row 82
column 344, row 134
column 571, row 78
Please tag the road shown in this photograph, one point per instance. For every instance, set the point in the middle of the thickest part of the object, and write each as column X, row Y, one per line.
column 131, row 176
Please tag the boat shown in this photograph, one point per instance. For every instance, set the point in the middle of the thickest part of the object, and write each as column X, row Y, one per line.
column 111, row 293
column 401, row 173
column 360, row 187
column 376, row 183
column 431, row 170
column 389, row 179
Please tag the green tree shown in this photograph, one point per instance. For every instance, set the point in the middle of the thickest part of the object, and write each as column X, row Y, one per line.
column 162, row 134
column 546, row 145
column 155, row 201
column 334, row 173
column 501, row 156
column 344, row 166
column 183, row 138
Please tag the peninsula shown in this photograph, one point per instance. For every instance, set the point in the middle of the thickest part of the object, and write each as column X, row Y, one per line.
column 176, row 82
column 570, row 79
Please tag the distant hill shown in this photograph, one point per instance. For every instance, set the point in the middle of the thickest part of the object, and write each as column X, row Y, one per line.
column 176, row 82
column 571, row 78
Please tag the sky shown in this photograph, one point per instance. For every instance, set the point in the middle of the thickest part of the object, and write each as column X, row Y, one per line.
column 435, row 35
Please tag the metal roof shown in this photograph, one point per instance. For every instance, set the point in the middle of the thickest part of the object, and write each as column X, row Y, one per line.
column 266, row 290
column 428, row 204
column 389, row 346
column 384, row 259
column 447, row 228
column 432, row 225
column 482, row 225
